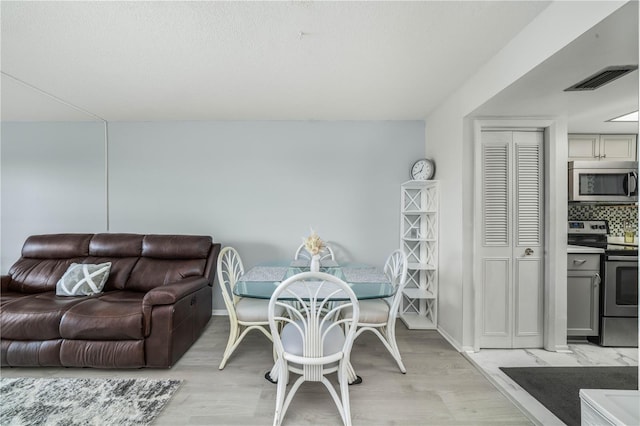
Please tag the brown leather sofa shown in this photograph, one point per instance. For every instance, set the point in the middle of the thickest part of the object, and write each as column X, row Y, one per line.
column 154, row 305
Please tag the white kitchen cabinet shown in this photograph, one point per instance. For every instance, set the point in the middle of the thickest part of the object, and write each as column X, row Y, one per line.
column 612, row 147
column 419, row 240
column 583, row 294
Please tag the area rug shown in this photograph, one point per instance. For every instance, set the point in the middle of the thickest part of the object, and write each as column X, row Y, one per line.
column 71, row 401
column 558, row 388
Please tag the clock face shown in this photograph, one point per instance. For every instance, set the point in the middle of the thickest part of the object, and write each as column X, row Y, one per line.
column 423, row 169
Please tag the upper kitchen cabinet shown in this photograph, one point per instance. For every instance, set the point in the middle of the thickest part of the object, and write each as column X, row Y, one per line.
column 615, row 147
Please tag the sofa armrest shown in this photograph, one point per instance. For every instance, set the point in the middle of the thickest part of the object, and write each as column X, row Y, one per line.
column 4, row 285
column 168, row 295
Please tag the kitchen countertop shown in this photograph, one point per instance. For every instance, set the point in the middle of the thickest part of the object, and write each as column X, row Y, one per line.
column 605, row 406
column 620, row 240
column 583, row 249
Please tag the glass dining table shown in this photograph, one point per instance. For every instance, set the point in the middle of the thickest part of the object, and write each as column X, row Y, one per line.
column 366, row 281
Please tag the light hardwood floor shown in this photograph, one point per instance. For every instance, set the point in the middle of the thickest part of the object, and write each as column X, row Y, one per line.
column 441, row 387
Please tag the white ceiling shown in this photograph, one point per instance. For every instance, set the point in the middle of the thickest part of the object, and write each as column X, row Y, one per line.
column 614, row 41
column 139, row 61
column 292, row 60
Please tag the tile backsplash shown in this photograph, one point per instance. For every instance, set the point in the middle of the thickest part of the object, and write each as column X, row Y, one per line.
column 616, row 215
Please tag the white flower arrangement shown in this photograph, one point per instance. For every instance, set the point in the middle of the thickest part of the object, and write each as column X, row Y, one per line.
column 313, row 243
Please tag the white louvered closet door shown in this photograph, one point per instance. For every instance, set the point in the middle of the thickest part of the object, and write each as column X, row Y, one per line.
column 511, row 250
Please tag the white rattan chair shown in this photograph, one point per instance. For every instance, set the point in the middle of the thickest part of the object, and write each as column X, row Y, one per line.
column 316, row 339
column 379, row 315
column 245, row 314
column 325, row 253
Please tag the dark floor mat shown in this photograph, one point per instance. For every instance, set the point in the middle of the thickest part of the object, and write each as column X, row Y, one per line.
column 558, row 388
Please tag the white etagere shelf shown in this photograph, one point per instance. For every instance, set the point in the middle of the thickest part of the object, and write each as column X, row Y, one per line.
column 419, row 240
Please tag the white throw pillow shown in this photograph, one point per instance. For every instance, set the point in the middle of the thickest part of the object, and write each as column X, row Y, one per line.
column 83, row 279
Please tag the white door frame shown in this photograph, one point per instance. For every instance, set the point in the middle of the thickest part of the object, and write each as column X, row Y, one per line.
column 555, row 225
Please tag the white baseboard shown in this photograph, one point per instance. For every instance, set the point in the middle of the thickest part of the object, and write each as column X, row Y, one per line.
column 219, row 313
column 453, row 342
column 561, row 349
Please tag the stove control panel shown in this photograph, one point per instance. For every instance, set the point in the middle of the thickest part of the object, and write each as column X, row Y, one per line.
column 598, row 227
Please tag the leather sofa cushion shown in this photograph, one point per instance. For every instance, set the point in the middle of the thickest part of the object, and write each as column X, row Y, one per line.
column 123, row 296
column 176, row 246
column 9, row 296
column 44, row 353
column 151, row 273
column 45, row 258
column 116, row 245
column 102, row 354
column 56, row 246
column 121, row 268
column 38, row 275
column 36, row 317
column 104, row 319
column 122, row 250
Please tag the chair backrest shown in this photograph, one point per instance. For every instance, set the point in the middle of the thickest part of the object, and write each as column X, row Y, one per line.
column 314, row 316
column 395, row 269
column 230, row 269
column 325, row 253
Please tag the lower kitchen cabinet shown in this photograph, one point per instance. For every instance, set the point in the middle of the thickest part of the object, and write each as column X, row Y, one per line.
column 583, row 294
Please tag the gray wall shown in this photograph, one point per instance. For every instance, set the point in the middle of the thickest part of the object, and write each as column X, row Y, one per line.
column 53, row 180
column 257, row 186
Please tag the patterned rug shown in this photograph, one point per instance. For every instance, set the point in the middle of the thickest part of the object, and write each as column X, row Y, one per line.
column 69, row 401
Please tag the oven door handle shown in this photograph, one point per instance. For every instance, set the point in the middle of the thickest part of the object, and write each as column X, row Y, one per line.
column 623, row 258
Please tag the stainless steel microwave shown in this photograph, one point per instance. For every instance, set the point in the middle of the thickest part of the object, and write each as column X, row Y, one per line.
column 603, row 181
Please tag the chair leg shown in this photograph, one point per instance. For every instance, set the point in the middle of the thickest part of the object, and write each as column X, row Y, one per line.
column 395, row 351
column 338, row 400
column 388, row 339
column 341, row 401
column 284, row 378
column 352, row 377
column 234, row 331
column 236, row 335
column 280, row 394
column 346, row 404
column 272, row 375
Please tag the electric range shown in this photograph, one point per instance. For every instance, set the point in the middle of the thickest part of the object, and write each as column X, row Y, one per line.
column 619, row 289
column 594, row 233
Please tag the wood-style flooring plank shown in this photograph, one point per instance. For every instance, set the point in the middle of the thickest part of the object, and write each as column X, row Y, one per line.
column 440, row 388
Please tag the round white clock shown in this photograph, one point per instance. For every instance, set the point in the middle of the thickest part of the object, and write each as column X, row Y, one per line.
column 423, row 169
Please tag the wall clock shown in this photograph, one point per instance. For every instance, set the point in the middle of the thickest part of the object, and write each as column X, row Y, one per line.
column 423, row 169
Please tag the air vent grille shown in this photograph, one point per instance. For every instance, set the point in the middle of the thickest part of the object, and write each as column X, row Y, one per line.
column 602, row 77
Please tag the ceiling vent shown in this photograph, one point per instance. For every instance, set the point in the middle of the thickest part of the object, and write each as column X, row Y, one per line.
column 602, row 77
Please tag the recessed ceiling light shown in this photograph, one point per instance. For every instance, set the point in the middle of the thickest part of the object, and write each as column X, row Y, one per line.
column 632, row 116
